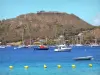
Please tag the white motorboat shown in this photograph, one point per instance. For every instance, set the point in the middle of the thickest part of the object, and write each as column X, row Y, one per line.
column 62, row 48
column 78, row 45
column 84, row 58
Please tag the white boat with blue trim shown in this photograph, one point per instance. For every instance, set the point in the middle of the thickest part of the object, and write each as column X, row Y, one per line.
column 62, row 48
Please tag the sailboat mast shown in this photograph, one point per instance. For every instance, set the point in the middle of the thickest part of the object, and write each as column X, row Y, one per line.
column 77, row 39
column 95, row 37
column 22, row 38
column 80, row 39
column 95, row 41
column 30, row 34
column 22, row 34
column 30, row 39
column 29, row 30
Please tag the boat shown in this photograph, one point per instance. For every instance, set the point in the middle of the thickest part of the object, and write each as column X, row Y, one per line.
column 78, row 45
column 28, row 46
column 71, row 45
column 21, row 46
column 8, row 45
column 41, row 47
column 79, row 39
column 62, row 48
column 84, row 58
column 2, row 47
column 95, row 45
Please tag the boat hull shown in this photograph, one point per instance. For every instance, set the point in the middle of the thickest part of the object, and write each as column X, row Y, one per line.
column 41, row 48
column 83, row 58
column 62, row 50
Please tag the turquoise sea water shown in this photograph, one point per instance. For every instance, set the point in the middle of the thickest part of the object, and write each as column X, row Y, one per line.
column 36, row 59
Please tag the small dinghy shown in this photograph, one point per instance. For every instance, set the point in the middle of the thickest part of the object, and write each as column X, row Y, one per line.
column 84, row 58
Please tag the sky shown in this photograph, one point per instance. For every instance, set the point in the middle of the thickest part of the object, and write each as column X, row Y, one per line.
column 88, row 10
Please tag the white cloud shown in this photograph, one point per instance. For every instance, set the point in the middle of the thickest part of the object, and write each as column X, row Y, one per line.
column 97, row 20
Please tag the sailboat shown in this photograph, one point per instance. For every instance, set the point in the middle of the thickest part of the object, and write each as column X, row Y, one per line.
column 79, row 41
column 20, row 46
column 23, row 45
column 95, row 44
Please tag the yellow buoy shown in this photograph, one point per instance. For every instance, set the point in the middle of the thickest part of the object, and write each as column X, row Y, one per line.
column 59, row 66
column 90, row 65
column 26, row 67
column 11, row 67
column 45, row 66
column 73, row 66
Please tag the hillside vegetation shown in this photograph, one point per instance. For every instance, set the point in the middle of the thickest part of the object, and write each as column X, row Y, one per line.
column 41, row 24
